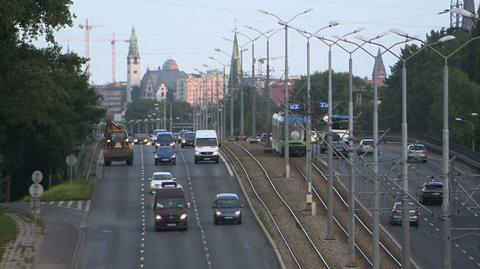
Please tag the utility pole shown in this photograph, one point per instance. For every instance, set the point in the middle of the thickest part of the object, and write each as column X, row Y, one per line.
column 171, row 117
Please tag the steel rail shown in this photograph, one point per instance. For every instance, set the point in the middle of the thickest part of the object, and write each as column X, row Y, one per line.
column 265, row 206
column 286, row 205
column 358, row 219
column 297, row 221
column 334, row 218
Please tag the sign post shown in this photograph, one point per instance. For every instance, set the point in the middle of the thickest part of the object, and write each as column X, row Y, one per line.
column 71, row 160
column 36, row 191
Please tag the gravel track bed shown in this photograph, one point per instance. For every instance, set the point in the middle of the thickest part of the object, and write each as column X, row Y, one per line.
column 293, row 191
column 363, row 238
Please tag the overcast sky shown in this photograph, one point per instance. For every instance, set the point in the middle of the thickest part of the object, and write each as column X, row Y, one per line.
column 189, row 31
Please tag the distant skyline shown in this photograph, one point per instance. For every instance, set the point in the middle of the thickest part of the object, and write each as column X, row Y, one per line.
column 189, row 31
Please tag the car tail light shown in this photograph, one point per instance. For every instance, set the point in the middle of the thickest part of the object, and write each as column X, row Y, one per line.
column 424, row 151
column 395, row 213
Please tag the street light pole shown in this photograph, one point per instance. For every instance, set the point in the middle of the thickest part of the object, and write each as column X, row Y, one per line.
column 446, row 226
column 308, row 161
column 286, row 149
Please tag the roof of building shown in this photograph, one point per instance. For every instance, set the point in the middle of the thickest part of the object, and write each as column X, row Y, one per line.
column 133, row 46
column 157, row 77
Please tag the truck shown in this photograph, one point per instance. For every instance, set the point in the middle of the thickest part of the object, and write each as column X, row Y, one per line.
column 116, row 146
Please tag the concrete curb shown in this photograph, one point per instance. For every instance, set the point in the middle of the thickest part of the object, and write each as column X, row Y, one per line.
column 250, row 205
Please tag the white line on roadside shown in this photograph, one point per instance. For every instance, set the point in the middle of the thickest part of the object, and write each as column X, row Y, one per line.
column 87, row 206
column 230, row 172
column 79, row 205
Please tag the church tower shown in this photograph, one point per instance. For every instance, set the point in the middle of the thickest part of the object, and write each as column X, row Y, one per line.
column 379, row 74
column 133, row 65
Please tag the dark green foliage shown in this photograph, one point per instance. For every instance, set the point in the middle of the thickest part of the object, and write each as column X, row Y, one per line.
column 425, row 89
column 47, row 108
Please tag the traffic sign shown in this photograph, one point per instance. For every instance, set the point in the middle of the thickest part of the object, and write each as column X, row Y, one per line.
column 294, row 106
column 323, row 105
column 36, row 190
column 71, row 159
column 37, row 176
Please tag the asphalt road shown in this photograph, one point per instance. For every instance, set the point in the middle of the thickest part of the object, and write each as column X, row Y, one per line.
column 115, row 231
column 426, row 240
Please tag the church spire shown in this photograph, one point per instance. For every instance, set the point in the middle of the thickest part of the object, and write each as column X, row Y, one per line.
column 235, row 71
column 133, row 47
column 379, row 72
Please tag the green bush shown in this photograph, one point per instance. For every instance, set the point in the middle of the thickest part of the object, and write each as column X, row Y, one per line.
column 68, row 191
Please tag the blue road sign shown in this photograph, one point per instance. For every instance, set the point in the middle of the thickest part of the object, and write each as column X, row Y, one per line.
column 323, row 105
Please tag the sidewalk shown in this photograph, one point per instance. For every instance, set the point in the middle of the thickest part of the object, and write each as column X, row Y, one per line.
column 57, row 246
column 22, row 252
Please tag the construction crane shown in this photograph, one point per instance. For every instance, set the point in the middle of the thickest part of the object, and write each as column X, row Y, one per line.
column 88, row 27
column 114, row 55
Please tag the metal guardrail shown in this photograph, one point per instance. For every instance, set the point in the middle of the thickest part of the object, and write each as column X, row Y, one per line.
column 461, row 153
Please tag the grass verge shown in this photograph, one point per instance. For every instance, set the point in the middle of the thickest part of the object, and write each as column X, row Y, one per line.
column 68, row 191
column 8, row 231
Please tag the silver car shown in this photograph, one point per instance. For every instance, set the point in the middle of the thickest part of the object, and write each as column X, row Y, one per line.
column 396, row 215
column 417, row 152
column 365, row 147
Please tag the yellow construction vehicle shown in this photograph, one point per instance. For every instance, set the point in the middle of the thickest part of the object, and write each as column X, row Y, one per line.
column 117, row 146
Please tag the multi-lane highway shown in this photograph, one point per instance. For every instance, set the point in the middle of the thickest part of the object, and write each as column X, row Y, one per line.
column 115, row 234
column 426, row 239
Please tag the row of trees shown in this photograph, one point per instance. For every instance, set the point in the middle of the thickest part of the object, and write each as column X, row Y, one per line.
column 424, row 91
column 425, row 87
column 47, row 107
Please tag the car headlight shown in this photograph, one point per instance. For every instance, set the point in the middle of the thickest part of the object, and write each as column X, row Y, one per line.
column 108, row 141
column 174, row 156
column 183, row 216
column 172, row 144
column 152, row 185
column 158, row 217
column 237, row 212
column 218, row 213
column 197, row 153
column 183, row 140
column 215, row 153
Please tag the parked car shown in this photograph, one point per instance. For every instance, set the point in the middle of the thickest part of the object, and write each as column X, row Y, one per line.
column 340, row 148
column 227, row 208
column 432, row 192
column 417, row 152
column 170, row 208
column 158, row 178
column 165, row 154
column 188, row 139
column 396, row 215
column 365, row 147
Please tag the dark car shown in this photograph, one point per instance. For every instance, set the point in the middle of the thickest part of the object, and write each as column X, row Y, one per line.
column 188, row 139
column 340, row 148
column 165, row 154
column 432, row 192
column 165, row 139
column 170, row 209
column 227, row 208
column 324, row 140
column 396, row 215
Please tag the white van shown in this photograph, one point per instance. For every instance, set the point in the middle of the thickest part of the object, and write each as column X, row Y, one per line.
column 206, row 146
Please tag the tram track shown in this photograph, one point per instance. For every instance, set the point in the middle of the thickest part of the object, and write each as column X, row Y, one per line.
column 301, row 245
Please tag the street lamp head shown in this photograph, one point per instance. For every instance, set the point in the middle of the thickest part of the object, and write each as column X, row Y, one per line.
column 211, row 58
column 358, row 30
column 379, row 36
column 446, row 38
column 217, row 49
column 398, row 32
column 333, row 23
column 463, row 12
column 362, row 38
column 263, row 11
column 475, row 114
column 458, row 119
column 283, row 23
column 308, row 10
column 341, row 38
